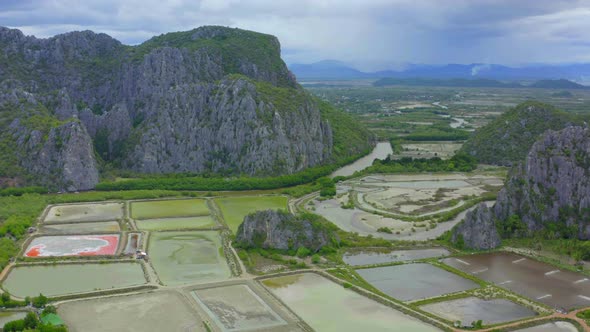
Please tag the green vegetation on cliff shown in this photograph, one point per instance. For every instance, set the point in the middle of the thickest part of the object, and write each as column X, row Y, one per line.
column 507, row 139
column 221, row 98
column 32, row 117
column 236, row 47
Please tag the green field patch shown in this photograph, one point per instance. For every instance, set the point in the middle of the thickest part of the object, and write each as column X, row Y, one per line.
column 56, row 280
column 234, row 209
column 163, row 224
column 169, row 208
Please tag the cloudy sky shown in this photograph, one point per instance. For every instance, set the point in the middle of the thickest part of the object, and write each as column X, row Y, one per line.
column 370, row 34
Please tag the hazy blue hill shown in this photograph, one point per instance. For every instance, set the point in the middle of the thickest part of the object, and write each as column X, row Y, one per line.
column 478, row 83
column 331, row 69
column 558, row 84
column 456, row 82
column 327, row 69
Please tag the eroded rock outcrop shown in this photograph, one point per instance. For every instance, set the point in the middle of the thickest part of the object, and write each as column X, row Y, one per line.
column 281, row 230
column 551, row 190
column 549, row 193
column 478, row 230
column 58, row 152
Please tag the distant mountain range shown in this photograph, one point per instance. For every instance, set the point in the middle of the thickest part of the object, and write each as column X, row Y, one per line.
column 332, row 69
column 479, row 83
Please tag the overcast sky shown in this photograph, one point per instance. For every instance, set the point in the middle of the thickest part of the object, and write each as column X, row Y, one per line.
column 370, row 34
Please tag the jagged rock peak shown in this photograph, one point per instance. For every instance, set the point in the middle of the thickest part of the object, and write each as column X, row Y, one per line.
column 281, row 230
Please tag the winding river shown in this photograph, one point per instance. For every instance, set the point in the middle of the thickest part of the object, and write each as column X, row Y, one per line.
column 381, row 151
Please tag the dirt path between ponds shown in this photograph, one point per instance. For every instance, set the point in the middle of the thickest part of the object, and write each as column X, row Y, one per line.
column 570, row 315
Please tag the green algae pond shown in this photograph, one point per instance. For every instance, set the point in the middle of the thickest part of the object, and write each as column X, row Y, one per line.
column 188, row 257
column 169, row 208
column 84, row 213
column 346, row 310
column 64, row 279
column 234, row 209
column 164, row 224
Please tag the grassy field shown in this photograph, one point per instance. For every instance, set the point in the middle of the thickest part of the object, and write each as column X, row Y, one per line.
column 169, row 209
column 164, row 224
column 234, row 209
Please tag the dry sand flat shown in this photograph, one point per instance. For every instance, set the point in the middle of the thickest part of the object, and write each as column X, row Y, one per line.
column 385, row 200
column 364, row 223
column 423, row 195
column 84, row 213
column 157, row 311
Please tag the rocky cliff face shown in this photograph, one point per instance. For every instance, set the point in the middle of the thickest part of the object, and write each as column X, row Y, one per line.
column 549, row 193
column 551, row 189
column 58, row 152
column 281, row 230
column 478, row 230
column 210, row 100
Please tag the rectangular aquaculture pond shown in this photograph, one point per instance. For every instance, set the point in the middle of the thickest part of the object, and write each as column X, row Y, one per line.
column 530, row 278
column 234, row 209
column 411, row 282
column 188, row 257
column 551, row 327
column 367, row 257
column 169, row 208
column 156, row 311
column 237, row 308
column 73, row 245
column 84, row 213
column 176, row 223
column 471, row 309
column 81, row 228
column 327, row 306
column 62, row 279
